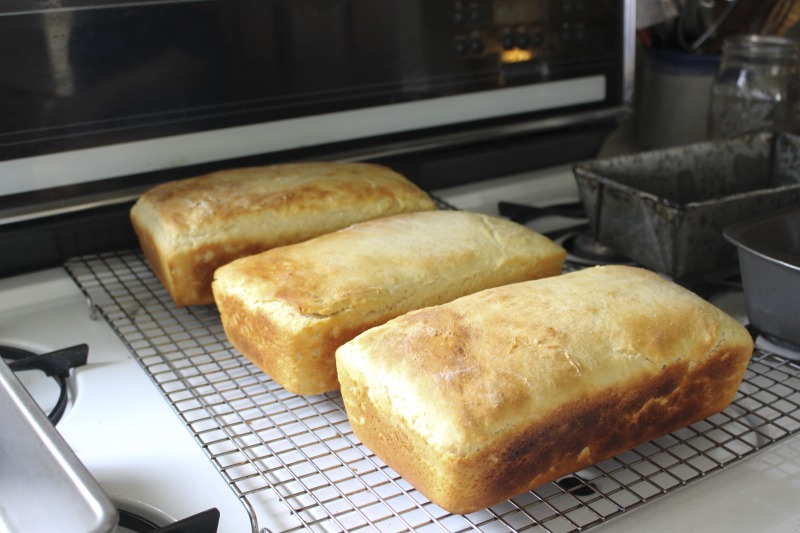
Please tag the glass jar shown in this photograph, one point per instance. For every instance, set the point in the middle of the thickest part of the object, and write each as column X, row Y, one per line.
column 756, row 87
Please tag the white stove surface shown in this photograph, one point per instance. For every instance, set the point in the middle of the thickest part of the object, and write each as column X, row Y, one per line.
column 119, row 425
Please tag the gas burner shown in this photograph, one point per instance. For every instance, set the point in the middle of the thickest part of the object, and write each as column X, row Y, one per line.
column 770, row 343
column 583, row 249
column 45, row 375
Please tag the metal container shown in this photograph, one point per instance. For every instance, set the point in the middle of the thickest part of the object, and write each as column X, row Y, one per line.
column 666, row 209
column 769, row 256
column 44, row 485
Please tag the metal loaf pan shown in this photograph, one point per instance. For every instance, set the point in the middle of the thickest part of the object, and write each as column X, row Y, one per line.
column 769, row 258
column 666, row 209
column 43, row 484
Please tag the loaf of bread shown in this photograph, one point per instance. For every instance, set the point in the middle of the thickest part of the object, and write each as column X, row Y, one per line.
column 189, row 228
column 496, row 393
column 289, row 308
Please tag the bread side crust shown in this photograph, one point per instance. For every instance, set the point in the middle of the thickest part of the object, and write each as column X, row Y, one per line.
column 144, row 223
column 573, row 437
column 472, row 409
column 292, row 360
column 189, row 228
column 289, row 308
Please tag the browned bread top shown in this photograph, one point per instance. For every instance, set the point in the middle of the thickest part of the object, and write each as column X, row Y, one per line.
column 188, row 228
column 289, row 308
column 496, row 393
column 212, row 200
column 464, row 373
column 399, row 262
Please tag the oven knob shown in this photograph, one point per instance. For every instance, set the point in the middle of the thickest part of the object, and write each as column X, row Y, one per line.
column 476, row 45
column 523, row 41
column 461, row 47
column 459, row 17
column 508, row 41
column 537, row 38
column 476, row 14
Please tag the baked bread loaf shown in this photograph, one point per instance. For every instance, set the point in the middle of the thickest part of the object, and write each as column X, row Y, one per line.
column 496, row 393
column 189, row 228
column 289, row 308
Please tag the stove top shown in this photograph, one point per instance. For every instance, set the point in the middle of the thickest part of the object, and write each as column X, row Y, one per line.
column 171, row 420
column 117, row 423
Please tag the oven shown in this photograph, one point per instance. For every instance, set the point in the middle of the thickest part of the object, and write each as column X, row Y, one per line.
column 484, row 103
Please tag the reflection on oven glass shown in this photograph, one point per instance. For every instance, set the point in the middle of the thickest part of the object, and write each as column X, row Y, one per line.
column 516, row 11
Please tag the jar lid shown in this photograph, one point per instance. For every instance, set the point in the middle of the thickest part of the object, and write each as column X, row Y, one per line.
column 762, row 46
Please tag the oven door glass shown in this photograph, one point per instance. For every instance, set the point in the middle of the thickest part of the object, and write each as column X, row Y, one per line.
column 91, row 73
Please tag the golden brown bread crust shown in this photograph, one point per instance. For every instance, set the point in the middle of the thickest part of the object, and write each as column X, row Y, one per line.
column 289, row 308
column 496, row 393
column 189, row 228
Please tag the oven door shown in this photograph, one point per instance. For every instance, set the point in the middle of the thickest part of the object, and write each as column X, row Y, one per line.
column 104, row 99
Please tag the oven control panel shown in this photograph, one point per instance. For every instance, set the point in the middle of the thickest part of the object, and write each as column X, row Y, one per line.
column 520, row 30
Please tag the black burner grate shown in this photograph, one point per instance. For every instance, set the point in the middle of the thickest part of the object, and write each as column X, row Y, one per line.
column 266, row 441
column 56, row 365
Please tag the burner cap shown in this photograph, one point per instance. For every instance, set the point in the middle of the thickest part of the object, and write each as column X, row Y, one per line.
column 586, row 250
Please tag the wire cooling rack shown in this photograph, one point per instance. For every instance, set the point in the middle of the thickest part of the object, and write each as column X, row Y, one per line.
column 262, row 438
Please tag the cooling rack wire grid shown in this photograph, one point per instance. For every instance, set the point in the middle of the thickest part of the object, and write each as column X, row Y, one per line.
column 265, row 440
